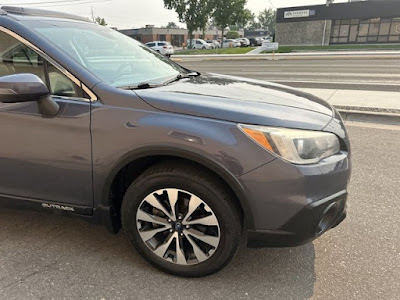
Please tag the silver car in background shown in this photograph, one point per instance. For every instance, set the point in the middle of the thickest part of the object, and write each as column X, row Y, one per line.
column 162, row 47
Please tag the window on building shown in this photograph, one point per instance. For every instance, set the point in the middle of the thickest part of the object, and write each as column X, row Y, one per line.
column 374, row 27
column 374, row 30
column 363, row 30
column 384, row 29
column 178, row 40
column 395, row 29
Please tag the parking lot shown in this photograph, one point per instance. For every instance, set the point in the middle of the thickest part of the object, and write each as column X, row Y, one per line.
column 66, row 258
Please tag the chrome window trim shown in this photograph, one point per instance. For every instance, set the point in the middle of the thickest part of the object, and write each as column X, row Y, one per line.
column 93, row 97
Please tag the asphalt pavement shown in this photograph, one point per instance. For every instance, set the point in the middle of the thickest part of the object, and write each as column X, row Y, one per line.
column 334, row 73
column 51, row 256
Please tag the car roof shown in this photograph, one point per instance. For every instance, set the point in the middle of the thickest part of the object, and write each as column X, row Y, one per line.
column 39, row 14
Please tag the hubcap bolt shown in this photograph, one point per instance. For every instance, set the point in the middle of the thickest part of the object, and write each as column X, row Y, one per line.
column 187, row 226
column 181, row 234
column 170, row 230
column 169, row 220
column 180, row 217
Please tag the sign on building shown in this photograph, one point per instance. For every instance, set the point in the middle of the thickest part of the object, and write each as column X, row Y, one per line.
column 297, row 14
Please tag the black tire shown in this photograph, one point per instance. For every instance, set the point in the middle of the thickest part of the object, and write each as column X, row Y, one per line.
column 210, row 189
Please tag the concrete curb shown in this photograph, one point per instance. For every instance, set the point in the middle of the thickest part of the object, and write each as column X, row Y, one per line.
column 279, row 56
column 369, row 116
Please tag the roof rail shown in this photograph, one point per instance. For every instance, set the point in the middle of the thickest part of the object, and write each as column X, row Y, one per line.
column 40, row 13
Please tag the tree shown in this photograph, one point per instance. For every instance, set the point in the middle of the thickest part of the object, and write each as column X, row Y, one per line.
column 267, row 19
column 172, row 25
column 253, row 23
column 232, row 35
column 100, row 21
column 244, row 17
column 228, row 13
column 194, row 13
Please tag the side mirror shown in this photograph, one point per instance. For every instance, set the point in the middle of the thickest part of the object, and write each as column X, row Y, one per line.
column 22, row 88
column 27, row 88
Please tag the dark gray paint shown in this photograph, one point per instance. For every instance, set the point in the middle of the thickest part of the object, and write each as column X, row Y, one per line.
column 51, row 158
column 46, row 158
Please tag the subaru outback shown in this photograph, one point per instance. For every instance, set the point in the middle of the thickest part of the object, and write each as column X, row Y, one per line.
column 97, row 125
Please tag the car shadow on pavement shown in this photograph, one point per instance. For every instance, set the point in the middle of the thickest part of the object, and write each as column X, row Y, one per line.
column 54, row 256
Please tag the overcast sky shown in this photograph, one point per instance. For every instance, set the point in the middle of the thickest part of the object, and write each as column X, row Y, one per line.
column 137, row 13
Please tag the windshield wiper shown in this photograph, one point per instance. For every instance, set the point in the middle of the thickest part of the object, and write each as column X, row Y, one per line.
column 148, row 85
column 182, row 76
column 140, row 86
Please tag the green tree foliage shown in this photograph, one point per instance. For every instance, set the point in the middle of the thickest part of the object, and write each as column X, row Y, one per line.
column 244, row 18
column 253, row 23
column 100, row 21
column 194, row 13
column 228, row 13
column 171, row 25
column 267, row 19
column 232, row 35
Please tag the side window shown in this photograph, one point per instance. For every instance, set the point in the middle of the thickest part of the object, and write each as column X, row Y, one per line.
column 16, row 58
column 60, row 85
column 199, row 43
column 150, row 45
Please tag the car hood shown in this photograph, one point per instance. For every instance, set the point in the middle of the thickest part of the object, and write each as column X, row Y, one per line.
column 240, row 100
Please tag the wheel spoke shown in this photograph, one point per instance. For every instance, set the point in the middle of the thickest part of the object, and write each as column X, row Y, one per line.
column 176, row 240
column 208, row 239
column 148, row 234
column 180, row 256
column 173, row 198
column 209, row 221
column 194, row 203
column 160, row 251
column 142, row 216
column 153, row 201
column 200, row 255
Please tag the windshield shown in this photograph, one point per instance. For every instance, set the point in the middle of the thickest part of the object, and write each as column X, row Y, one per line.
column 116, row 59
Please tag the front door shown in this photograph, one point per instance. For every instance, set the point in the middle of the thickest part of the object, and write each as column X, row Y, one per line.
column 45, row 159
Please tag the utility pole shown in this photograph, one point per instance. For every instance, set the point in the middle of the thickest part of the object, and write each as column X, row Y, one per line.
column 92, row 12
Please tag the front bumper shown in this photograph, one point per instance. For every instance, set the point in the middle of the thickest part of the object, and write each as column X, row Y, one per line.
column 292, row 204
column 311, row 222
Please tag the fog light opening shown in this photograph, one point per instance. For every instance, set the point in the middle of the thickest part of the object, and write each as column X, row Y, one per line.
column 328, row 217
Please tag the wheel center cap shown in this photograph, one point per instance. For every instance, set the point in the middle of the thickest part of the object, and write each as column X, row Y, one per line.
column 178, row 226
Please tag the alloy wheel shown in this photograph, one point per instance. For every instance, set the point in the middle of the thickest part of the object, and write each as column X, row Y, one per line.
column 178, row 226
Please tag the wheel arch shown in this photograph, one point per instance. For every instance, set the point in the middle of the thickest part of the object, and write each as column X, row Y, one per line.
column 131, row 165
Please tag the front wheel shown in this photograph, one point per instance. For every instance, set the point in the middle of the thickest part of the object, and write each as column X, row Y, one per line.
column 181, row 219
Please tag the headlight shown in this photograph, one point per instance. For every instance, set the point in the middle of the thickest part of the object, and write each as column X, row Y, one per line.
column 296, row 146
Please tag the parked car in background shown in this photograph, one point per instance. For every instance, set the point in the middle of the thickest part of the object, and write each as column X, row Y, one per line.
column 164, row 48
column 255, row 41
column 244, row 42
column 186, row 164
column 198, row 44
column 230, row 43
column 268, row 39
column 214, row 44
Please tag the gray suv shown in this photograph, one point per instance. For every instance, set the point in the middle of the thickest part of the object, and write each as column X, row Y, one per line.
column 97, row 125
